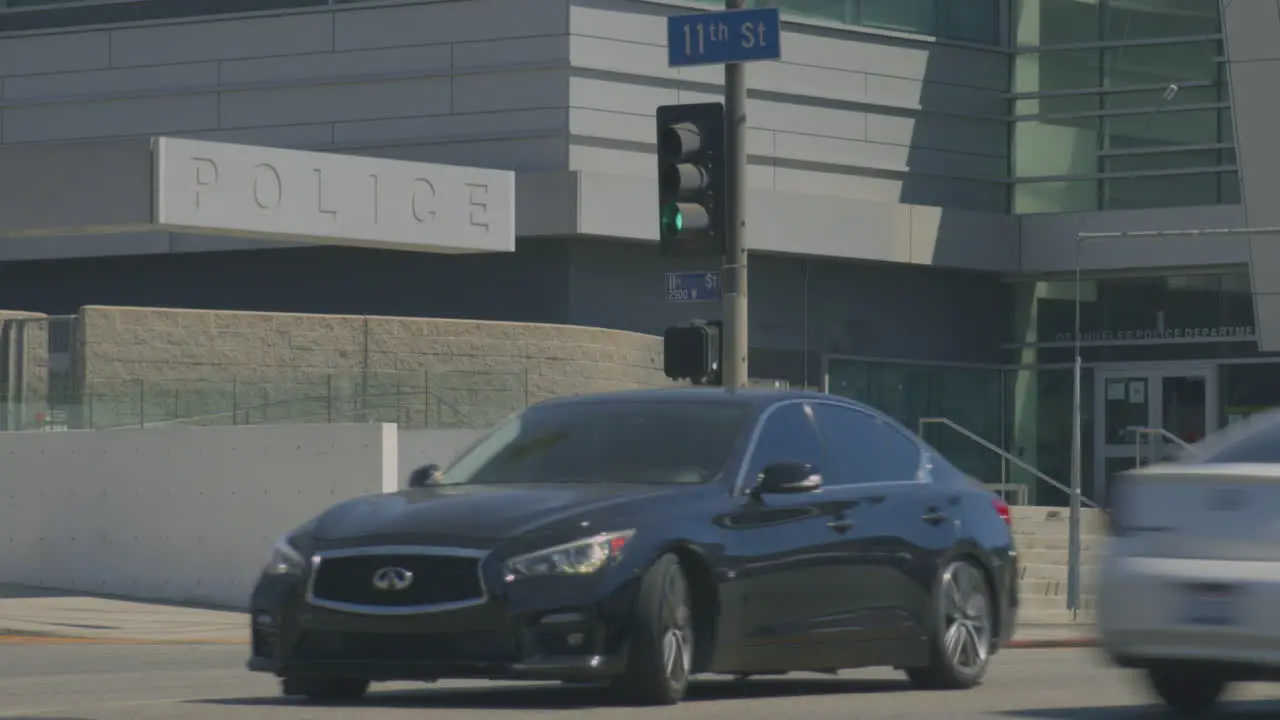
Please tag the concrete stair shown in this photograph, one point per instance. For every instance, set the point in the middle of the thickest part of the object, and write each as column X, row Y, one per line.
column 1041, row 536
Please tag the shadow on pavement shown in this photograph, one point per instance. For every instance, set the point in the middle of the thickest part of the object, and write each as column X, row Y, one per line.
column 561, row 697
column 1236, row 709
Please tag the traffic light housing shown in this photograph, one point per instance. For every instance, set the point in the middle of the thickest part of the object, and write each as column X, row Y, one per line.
column 691, row 180
column 692, row 352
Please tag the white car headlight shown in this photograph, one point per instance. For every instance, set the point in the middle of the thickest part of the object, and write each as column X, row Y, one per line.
column 580, row 557
column 284, row 560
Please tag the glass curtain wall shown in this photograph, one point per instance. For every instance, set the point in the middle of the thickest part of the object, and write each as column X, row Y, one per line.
column 975, row 21
column 1120, row 104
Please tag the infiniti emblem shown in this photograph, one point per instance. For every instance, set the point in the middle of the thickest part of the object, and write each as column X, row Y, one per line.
column 392, row 578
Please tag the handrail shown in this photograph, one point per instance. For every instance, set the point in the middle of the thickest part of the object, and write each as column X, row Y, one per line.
column 1005, row 454
column 1158, row 432
column 1021, row 492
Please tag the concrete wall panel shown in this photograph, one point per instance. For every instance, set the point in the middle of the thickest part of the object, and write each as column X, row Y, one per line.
column 181, row 515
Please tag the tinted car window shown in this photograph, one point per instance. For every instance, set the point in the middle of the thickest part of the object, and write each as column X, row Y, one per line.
column 788, row 435
column 866, row 449
column 616, row 441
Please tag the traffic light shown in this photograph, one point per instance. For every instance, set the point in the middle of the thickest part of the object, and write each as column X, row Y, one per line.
column 691, row 182
column 692, row 352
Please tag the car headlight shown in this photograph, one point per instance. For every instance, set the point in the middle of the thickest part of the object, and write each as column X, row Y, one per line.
column 580, row 557
column 284, row 559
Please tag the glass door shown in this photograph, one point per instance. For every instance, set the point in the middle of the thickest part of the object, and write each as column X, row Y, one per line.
column 1135, row 402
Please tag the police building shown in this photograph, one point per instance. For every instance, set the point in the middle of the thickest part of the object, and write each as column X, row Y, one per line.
column 926, row 180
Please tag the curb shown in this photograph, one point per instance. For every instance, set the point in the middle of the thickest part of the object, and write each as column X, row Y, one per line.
column 1052, row 644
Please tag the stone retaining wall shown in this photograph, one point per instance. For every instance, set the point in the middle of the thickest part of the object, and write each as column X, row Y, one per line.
column 149, row 365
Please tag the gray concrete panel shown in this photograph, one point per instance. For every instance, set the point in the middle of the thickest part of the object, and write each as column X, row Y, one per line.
column 222, row 39
column 514, row 90
column 622, row 207
column 121, row 118
column 335, row 103
column 525, row 154
column 87, row 84
column 62, row 52
column 447, row 22
column 75, row 187
column 1252, row 43
column 1048, row 242
column 355, row 64
column 511, row 52
column 513, row 124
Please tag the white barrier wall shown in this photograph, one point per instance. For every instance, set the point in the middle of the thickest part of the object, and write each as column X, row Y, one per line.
column 181, row 514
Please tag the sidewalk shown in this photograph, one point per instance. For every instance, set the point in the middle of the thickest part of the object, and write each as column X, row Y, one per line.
column 38, row 616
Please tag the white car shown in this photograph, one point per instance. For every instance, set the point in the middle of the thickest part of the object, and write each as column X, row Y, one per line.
column 1189, row 590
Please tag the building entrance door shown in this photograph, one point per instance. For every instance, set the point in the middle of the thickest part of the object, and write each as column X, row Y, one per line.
column 1181, row 399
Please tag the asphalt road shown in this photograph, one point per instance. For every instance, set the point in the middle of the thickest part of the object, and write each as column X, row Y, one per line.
column 120, row 682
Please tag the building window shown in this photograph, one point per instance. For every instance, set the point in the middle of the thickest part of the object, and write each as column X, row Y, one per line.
column 1155, row 111
column 975, row 21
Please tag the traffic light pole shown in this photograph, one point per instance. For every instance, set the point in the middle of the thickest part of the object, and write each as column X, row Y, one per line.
column 734, row 275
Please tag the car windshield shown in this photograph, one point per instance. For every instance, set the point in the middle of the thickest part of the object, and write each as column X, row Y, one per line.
column 649, row 442
column 1255, row 440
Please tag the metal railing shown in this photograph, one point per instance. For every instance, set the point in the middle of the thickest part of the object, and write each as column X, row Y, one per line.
column 1155, row 433
column 1004, row 455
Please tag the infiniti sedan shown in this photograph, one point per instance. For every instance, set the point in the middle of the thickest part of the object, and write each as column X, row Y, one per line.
column 635, row 539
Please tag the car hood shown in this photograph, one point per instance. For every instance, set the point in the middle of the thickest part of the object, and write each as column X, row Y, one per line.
column 472, row 513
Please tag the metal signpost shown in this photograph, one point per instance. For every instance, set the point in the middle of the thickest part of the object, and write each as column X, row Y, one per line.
column 686, row 287
column 733, row 36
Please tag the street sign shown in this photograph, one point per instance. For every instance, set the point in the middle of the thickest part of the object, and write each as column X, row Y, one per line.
column 726, row 36
column 702, row 286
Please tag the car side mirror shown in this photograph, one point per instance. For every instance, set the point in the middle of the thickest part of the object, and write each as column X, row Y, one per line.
column 424, row 476
column 788, row 478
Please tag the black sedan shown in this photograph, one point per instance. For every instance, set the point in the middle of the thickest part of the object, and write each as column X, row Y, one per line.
column 634, row 539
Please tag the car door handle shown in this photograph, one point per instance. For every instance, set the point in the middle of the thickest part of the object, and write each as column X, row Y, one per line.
column 934, row 517
column 841, row 526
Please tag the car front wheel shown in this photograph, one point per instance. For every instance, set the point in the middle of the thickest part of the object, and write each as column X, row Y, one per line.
column 661, row 654
column 960, row 645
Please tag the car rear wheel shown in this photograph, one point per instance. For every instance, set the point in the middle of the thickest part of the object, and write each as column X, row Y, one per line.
column 325, row 689
column 661, row 653
column 960, row 644
column 1190, row 691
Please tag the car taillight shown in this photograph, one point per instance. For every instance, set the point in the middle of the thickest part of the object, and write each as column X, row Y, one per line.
column 1002, row 509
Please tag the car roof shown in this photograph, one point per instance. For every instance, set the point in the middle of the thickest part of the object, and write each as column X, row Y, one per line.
column 758, row 398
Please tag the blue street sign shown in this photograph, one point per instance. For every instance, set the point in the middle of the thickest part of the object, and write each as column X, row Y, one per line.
column 727, row 36
column 703, row 286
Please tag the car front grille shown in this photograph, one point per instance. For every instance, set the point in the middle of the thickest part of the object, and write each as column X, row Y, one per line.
column 328, row 646
column 437, row 580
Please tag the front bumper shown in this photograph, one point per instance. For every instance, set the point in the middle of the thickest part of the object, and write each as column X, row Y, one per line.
column 573, row 629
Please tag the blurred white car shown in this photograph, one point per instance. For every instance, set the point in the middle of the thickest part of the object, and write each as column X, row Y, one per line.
column 1189, row 590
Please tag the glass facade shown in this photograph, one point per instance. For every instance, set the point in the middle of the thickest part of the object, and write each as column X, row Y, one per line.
column 974, row 21
column 1176, row 352
column 1120, row 104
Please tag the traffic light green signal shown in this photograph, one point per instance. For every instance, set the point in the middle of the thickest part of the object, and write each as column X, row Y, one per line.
column 691, row 179
column 672, row 219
